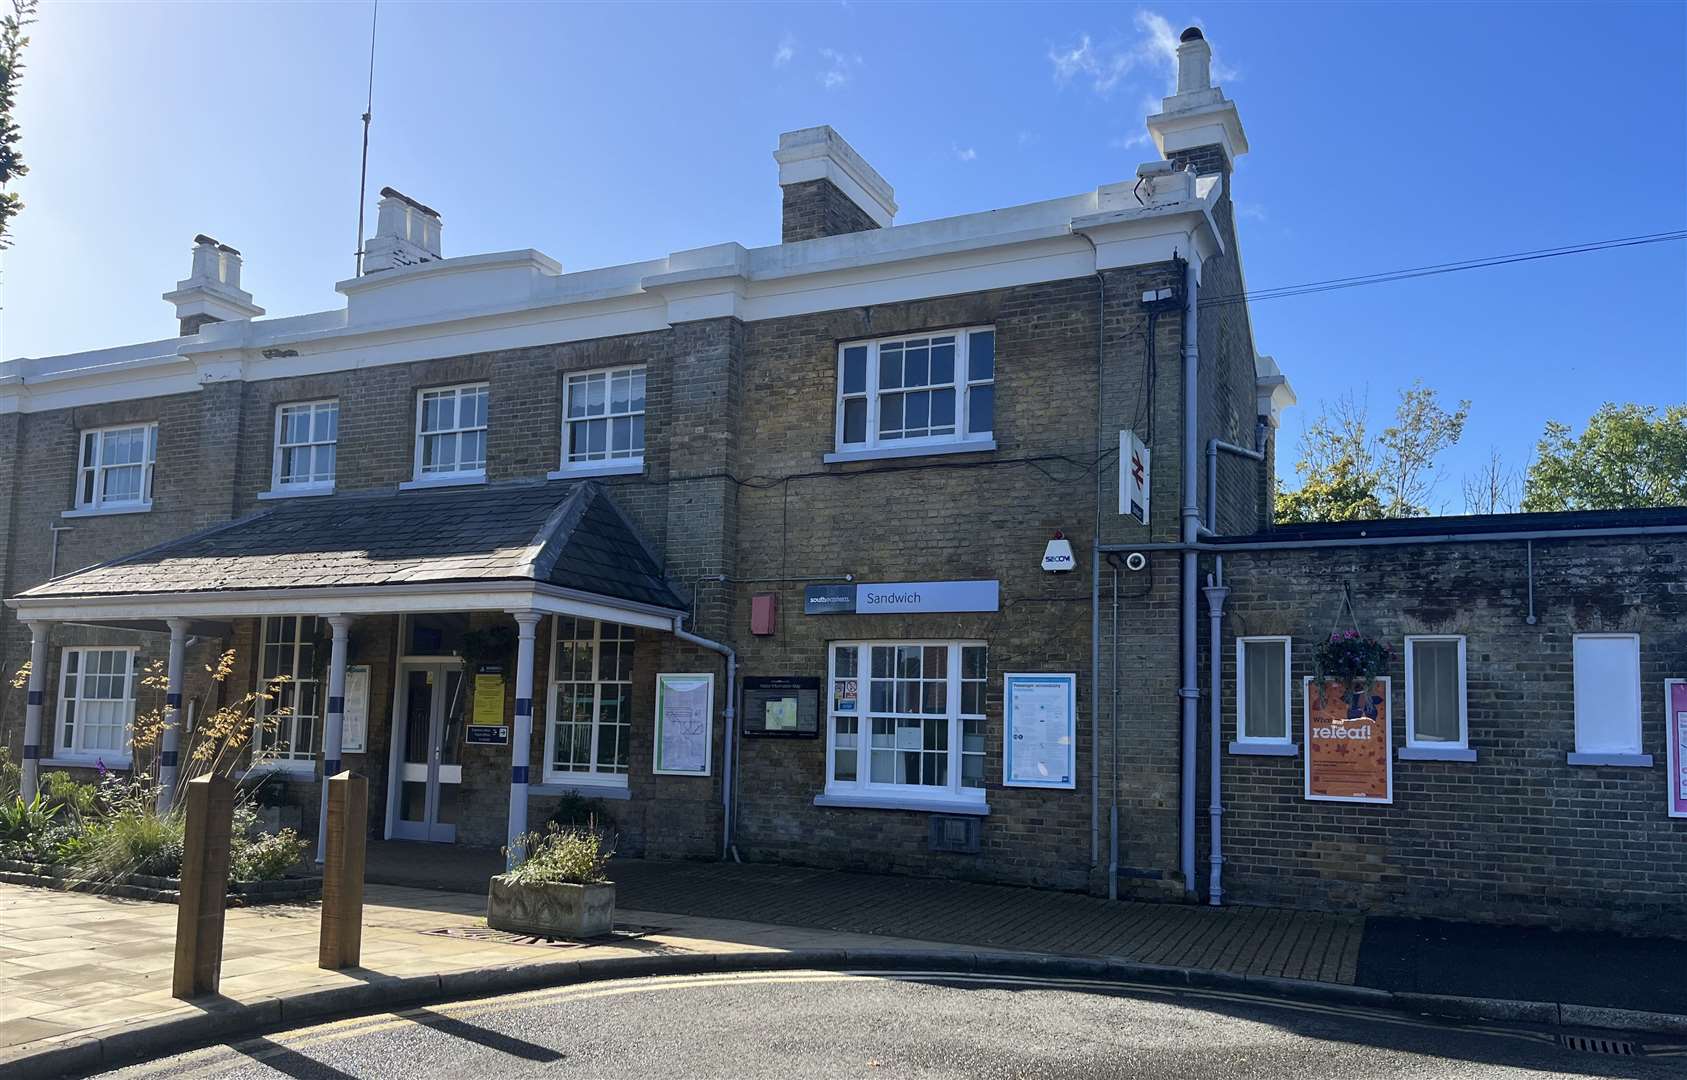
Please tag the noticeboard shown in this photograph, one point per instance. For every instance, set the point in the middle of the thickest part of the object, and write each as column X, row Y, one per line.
column 354, row 731
column 1039, row 730
column 487, row 726
column 685, row 724
column 781, row 707
column 1675, row 729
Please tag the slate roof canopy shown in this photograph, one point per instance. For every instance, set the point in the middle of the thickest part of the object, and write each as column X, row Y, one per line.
column 570, row 535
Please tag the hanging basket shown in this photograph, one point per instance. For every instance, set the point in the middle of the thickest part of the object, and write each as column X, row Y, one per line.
column 1356, row 662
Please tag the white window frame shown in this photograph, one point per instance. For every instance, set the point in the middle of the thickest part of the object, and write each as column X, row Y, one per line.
column 87, row 469
column 278, row 486
column 442, row 478
column 1434, row 745
column 862, row 792
column 119, row 758
column 1630, row 753
column 592, row 776
column 873, row 446
column 608, row 465
column 1255, row 744
column 293, row 759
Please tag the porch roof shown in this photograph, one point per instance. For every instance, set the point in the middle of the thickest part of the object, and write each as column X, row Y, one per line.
column 564, row 536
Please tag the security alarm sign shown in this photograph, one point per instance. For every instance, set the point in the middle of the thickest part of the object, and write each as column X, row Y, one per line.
column 1133, row 477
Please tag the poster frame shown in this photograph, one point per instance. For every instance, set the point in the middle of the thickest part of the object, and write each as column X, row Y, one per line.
column 1306, row 752
column 1673, row 779
column 1070, row 680
column 359, row 676
column 656, row 766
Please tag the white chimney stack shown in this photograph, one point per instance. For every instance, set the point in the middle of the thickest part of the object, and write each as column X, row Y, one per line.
column 1194, row 61
column 1197, row 124
column 406, row 233
column 212, row 292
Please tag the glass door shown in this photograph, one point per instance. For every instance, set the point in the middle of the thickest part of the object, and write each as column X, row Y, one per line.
column 430, row 767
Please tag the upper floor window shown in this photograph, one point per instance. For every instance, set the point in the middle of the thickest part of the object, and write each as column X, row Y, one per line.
column 603, row 418
column 96, row 705
column 115, row 470
column 451, row 433
column 305, row 438
column 917, row 392
column 907, row 719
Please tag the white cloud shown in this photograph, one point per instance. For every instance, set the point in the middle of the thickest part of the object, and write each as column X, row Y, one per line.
column 1152, row 51
column 786, row 50
column 840, row 67
column 1122, row 142
column 964, row 153
column 1027, row 138
column 1253, row 211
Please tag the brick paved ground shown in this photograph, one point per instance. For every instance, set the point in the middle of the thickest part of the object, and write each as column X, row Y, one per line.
column 1246, row 940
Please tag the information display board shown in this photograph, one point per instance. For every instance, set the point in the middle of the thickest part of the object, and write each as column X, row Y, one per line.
column 354, row 733
column 1039, row 730
column 781, row 707
column 685, row 710
column 1675, row 733
column 486, row 725
column 1349, row 747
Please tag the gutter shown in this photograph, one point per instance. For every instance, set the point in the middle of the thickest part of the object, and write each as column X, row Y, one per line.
column 1608, row 533
column 730, row 756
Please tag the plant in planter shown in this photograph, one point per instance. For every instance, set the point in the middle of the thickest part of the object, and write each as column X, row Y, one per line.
column 561, row 890
column 1356, row 662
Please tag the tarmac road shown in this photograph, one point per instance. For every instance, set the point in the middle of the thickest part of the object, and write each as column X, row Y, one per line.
column 879, row 1026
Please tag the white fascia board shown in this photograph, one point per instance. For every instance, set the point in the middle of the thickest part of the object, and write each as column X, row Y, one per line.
column 356, row 600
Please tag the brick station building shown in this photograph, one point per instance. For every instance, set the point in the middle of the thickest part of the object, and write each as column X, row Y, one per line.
column 748, row 544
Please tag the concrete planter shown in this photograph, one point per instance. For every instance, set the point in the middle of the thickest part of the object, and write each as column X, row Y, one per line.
column 551, row 910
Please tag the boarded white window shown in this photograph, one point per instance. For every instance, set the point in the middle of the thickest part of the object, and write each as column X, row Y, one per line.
column 1435, row 692
column 1607, row 693
column 1262, row 690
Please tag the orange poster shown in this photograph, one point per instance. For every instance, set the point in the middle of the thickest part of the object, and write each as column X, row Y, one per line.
column 1349, row 754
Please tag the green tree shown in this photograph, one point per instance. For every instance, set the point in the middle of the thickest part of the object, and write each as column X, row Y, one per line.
column 1629, row 456
column 12, row 42
column 1348, row 474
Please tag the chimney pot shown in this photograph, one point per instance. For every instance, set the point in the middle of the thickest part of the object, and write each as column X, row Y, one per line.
column 406, row 233
column 211, row 292
column 1194, row 62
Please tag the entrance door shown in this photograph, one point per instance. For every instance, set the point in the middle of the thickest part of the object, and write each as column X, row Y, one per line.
column 430, row 767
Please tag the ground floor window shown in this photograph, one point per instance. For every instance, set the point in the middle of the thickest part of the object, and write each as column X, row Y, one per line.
column 289, row 723
column 591, row 720
column 906, row 717
column 1607, row 693
column 96, row 704
column 1436, row 714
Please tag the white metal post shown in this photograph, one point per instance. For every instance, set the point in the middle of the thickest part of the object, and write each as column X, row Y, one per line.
column 32, row 712
column 169, row 739
column 521, row 739
column 334, row 722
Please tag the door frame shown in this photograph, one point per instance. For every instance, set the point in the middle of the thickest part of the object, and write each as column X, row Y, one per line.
column 399, row 731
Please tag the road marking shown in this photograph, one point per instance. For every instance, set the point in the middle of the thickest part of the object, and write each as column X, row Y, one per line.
column 209, row 1060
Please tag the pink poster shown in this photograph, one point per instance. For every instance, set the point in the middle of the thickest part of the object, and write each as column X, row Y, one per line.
column 1675, row 733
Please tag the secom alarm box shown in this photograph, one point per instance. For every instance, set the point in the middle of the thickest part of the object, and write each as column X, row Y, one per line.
column 781, row 706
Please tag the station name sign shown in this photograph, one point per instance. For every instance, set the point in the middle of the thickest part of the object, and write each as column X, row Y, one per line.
column 902, row 597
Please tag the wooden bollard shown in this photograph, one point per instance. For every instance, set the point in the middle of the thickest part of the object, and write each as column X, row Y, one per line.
column 342, row 872
column 208, row 803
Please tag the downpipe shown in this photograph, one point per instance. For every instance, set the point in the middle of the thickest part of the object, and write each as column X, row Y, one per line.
column 729, row 771
column 1216, row 594
column 1190, row 515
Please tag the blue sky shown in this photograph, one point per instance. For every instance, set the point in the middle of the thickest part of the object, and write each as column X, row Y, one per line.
column 1383, row 137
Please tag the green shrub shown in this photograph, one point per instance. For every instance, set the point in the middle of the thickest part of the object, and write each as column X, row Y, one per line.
column 563, row 856
column 78, row 800
column 256, row 855
column 24, row 827
column 11, row 778
column 134, row 842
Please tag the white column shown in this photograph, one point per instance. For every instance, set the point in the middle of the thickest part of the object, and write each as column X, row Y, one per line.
column 32, row 712
column 169, row 740
column 334, row 721
column 521, row 740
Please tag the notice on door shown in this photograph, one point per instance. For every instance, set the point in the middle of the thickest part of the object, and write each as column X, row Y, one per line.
column 1349, row 743
column 1675, row 732
column 486, row 722
column 354, row 733
column 685, row 708
column 1039, row 730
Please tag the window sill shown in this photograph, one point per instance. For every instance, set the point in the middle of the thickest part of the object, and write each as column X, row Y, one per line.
column 465, row 480
column 112, row 764
column 967, row 446
column 586, row 789
column 1435, row 753
column 1264, row 749
column 107, row 511
column 582, row 470
column 299, row 492
column 293, row 770
column 1627, row 761
column 917, row 803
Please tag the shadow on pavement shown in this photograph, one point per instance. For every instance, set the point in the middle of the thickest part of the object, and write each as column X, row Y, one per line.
column 288, row 1062
column 492, row 1040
